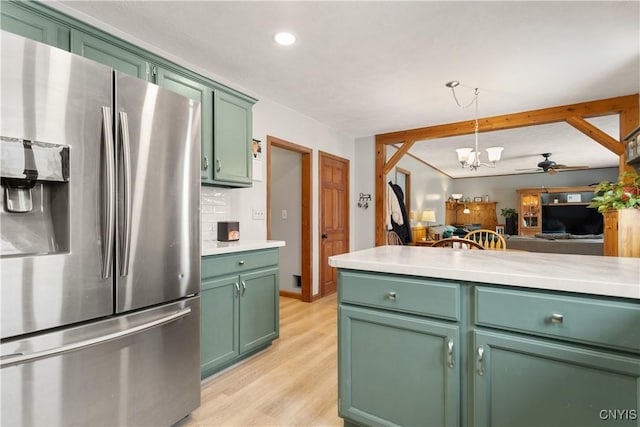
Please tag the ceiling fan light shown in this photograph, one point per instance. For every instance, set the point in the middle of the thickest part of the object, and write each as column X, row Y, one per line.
column 494, row 153
column 463, row 154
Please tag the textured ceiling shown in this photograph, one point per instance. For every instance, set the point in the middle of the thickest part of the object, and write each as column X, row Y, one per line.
column 371, row 67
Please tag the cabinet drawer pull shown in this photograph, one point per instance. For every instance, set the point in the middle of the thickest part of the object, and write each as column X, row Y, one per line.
column 241, row 262
column 218, row 165
column 391, row 296
column 450, row 353
column 480, row 361
column 557, row 318
column 244, row 287
column 206, row 163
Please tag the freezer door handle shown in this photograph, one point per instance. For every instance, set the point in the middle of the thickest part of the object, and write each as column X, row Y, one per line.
column 18, row 359
column 125, row 237
column 108, row 195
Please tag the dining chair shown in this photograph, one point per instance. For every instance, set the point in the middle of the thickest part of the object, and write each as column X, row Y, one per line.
column 489, row 239
column 457, row 242
column 394, row 239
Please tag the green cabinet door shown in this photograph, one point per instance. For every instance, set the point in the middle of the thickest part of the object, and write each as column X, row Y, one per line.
column 232, row 127
column 259, row 308
column 397, row 370
column 219, row 324
column 520, row 381
column 195, row 90
column 34, row 26
column 110, row 54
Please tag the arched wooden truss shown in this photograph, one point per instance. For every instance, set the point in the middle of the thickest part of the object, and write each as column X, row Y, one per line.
column 626, row 106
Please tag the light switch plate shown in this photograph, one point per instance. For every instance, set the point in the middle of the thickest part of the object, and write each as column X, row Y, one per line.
column 257, row 213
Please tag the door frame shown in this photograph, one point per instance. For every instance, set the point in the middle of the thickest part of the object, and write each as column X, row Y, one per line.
column 306, row 154
column 321, row 156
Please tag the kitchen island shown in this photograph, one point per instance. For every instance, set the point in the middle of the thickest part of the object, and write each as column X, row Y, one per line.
column 446, row 337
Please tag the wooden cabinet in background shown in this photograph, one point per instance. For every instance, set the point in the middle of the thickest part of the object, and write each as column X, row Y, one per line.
column 529, row 212
column 622, row 233
column 483, row 213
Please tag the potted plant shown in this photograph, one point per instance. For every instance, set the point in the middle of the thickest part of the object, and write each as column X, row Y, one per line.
column 625, row 193
column 510, row 220
column 619, row 203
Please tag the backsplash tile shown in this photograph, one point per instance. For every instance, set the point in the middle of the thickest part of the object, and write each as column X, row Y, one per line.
column 214, row 206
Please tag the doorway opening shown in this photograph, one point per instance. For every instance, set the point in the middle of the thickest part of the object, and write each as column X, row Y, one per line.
column 289, row 183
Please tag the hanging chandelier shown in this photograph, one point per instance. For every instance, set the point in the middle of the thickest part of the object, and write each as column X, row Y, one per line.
column 470, row 157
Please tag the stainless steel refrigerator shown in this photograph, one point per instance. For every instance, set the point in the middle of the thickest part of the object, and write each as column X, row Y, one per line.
column 100, row 234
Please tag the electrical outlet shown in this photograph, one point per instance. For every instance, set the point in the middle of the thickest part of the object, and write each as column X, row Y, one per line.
column 284, row 214
column 257, row 213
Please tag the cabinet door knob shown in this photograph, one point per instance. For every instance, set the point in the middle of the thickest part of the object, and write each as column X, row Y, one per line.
column 391, row 295
column 557, row 318
column 450, row 352
column 241, row 262
column 480, row 361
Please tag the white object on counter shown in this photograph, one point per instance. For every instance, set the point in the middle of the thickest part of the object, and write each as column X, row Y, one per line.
column 217, row 248
column 597, row 275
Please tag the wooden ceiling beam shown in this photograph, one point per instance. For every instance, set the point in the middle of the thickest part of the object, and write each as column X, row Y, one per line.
column 397, row 156
column 601, row 107
column 597, row 135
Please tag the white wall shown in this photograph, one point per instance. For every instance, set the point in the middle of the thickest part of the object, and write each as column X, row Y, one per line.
column 363, row 220
column 502, row 189
column 286, row 195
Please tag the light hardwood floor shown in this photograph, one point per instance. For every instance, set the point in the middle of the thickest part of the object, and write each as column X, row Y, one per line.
column 291, row 383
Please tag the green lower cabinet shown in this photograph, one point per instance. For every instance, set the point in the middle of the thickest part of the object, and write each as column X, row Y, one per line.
column 109, row 54
column 259, row 308
column 219, row 322
column 397, row 370
column 34, row 26
column 240, row 312
column 520, row 381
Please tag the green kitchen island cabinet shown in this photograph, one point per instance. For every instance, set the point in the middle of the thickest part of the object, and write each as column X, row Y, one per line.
column 240, row 307
column 448, row 337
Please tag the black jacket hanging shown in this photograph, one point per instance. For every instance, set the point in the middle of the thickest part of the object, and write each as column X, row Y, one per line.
column 404, row 230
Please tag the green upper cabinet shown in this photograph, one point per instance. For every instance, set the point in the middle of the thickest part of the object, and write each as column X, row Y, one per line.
column 33, row 26
column 200, row 92
column 109, row 54
column 232, row 127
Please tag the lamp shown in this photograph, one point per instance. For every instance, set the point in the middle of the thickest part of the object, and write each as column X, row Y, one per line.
column 469, row 157
column 428, row 216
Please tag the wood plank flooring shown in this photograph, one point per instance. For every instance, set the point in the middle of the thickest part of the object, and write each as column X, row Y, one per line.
column 292, row 383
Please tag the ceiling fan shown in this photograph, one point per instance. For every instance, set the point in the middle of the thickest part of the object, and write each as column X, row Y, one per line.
column 548, row 165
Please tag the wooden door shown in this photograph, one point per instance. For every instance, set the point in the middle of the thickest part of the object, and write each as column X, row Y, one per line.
column 334, row 216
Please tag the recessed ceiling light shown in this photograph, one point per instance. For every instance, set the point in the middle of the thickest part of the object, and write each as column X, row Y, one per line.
column 284, row 38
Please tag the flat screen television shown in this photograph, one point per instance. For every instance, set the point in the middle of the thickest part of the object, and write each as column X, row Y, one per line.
column 579, row 220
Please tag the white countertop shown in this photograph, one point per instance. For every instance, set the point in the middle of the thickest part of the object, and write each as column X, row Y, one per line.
column 597, row 275
column 217, row 248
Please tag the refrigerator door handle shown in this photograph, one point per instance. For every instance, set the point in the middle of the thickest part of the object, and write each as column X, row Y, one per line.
column 18, row 359
column 109, row 194
column 125, row 237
